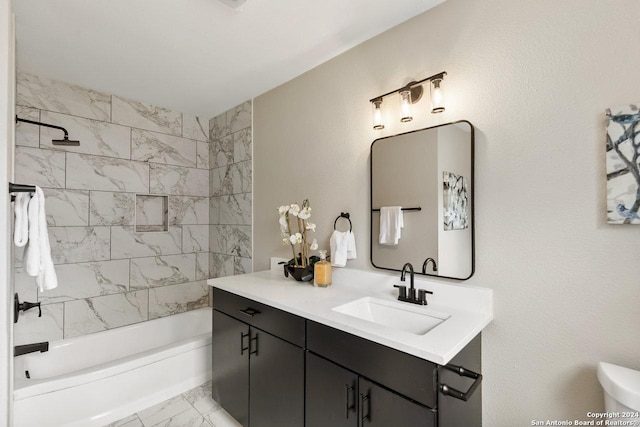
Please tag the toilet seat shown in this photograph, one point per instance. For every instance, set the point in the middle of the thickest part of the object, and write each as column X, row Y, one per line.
column 623, row 384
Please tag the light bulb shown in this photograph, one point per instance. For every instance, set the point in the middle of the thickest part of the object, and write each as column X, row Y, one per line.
column 437, row 96
column 405, row 105
column 377, row 114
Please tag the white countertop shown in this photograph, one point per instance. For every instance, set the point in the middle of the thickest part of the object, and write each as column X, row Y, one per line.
column 470, row 307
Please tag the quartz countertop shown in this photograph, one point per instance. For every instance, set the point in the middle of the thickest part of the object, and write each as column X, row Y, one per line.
column 470, row 307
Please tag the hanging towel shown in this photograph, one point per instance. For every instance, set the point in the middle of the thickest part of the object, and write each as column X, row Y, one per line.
column 391, row 223
column 339, row 246
column 21, row 221
column 37, row 254
column 351, row 246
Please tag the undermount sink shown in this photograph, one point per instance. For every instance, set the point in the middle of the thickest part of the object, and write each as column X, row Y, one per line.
column 417, row 320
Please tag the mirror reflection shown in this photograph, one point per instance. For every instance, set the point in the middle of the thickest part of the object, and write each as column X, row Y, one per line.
column 422, row 201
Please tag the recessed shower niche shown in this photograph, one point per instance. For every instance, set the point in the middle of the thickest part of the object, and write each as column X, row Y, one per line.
column 152, row 213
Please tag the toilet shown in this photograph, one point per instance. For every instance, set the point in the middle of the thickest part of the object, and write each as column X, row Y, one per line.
column 621, row 391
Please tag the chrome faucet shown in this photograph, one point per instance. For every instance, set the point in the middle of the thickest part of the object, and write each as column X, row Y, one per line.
column 402, row 290
column 426, row 263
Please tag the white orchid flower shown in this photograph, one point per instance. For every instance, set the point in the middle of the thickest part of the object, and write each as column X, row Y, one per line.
column 285, row 240
column 282, row 210
column 311, row 226
column 305, row 213
column 294, row 210
column 314, row 245
column 295, row 238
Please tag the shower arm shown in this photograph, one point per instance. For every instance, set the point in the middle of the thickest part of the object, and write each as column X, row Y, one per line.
column 66, row 134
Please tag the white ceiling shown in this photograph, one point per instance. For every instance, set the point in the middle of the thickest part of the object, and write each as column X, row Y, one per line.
column 194, row 56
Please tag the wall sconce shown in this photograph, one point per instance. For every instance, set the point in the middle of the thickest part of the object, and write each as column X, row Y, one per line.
column 410, row 94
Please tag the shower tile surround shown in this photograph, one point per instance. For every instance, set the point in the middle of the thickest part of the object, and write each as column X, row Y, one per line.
column 110, row 275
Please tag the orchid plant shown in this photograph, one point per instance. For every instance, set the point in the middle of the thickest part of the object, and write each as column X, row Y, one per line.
column 299, row 217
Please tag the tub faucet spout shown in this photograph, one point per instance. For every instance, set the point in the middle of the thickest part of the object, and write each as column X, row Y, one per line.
column 19, row 350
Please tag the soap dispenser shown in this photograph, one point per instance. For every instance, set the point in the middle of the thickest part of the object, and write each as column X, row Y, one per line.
column 322, row 271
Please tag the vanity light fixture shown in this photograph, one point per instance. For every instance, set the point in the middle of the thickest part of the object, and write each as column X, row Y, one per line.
column 410, row 94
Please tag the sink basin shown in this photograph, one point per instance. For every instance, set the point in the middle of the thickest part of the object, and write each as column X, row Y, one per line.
column 417, row 320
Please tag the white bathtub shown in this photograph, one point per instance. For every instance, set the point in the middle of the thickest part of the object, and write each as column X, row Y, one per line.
column 99, row 378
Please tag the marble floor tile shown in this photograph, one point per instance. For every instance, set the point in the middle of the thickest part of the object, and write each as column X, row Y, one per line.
column 221, row 418
column 130, row 421
column 107, row 312
column 145, row 116
column 188, row 418
column 200, row 398
column 45, row 168
column 96, row 137
column 60, row 97
column 164, row 410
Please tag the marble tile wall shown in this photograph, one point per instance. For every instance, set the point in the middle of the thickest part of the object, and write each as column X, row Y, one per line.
column 109, row 274
column 230, row 186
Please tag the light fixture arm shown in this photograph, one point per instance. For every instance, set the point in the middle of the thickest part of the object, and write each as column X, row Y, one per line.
column 410, row 85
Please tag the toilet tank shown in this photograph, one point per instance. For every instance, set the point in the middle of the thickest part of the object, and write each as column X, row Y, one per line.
column 621, row 391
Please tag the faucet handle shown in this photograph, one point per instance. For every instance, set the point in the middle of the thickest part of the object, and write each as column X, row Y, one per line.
column 402, row 291
column 422, row 296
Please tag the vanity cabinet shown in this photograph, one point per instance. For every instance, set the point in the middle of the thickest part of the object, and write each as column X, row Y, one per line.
column 338, row 397
column 258, row 362
column 274, row 369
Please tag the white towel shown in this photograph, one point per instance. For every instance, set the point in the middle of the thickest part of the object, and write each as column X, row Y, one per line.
column 351, row 246
column 21, row 221
column 391, row 223
column 37, row 255
column 338, row 244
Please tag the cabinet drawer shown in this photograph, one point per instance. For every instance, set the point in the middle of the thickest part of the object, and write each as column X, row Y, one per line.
column 408, row 375
column 284, row 325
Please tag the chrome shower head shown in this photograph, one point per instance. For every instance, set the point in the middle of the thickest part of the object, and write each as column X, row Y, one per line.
column 66, row 141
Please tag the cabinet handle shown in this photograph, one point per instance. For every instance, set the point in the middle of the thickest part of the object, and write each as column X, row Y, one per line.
column 450, row 391
column 349, row 407
column 249, row 312
column 253, row 340
column 366, row 416
column 242, row 347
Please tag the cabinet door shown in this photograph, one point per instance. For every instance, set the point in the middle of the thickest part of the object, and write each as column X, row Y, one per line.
column 331, row 394
column 231, row 366
column 276, row 382
column 382, row 408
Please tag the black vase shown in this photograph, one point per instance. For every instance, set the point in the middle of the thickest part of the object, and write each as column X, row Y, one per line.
column 301, row 274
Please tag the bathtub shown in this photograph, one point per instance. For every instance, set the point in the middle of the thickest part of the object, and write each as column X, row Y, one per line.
column 96, row 379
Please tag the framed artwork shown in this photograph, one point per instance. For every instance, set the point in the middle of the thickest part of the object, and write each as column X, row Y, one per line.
column 455, row 201
column 623, row 173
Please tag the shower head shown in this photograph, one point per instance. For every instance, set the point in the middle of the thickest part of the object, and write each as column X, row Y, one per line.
column 66, row 141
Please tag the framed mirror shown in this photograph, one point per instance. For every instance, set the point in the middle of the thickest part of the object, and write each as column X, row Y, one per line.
column 422, row 201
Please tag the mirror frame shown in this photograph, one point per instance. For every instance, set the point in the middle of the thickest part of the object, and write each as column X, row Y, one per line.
column 471, row 205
